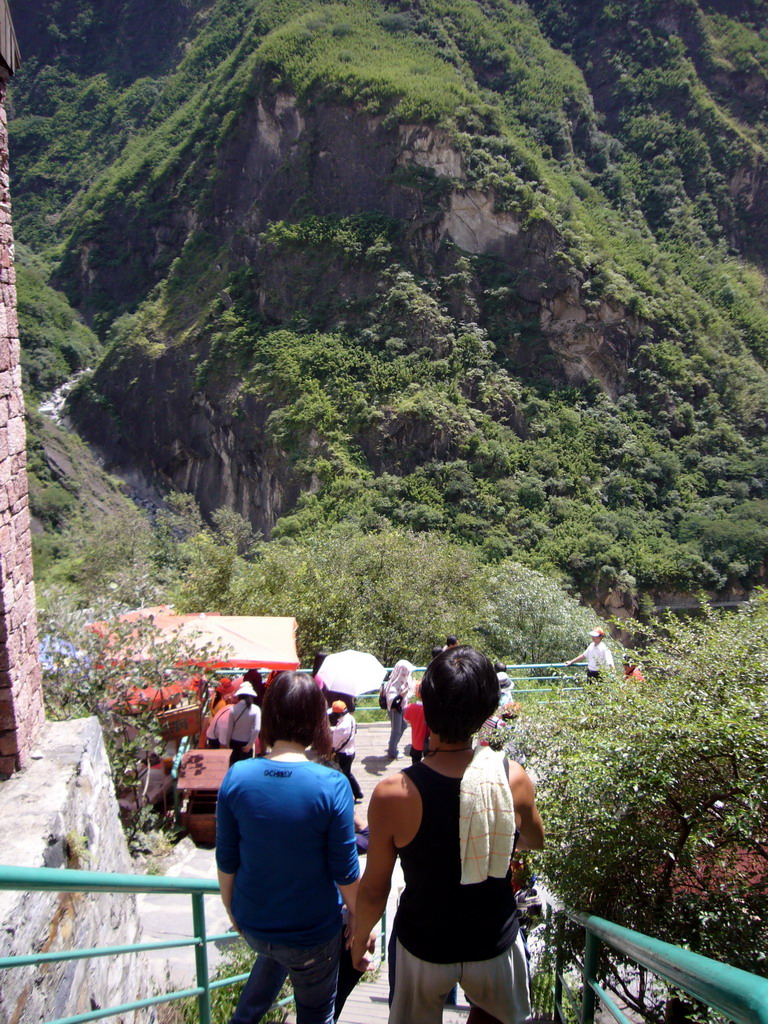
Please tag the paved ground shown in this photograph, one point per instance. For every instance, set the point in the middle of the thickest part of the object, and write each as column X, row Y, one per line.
column 168, row 917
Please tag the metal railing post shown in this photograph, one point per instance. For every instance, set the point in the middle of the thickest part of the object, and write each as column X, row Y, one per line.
column 591, row 956
column 201, row 957
column 559, row 932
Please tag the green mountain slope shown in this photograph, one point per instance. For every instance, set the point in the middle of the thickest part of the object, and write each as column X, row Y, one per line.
column 494, row 269
column 65, row 482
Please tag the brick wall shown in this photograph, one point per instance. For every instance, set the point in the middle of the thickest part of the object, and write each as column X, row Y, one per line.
column 21, row 693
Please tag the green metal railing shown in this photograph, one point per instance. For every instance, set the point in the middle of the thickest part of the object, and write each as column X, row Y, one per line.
column 62, row 880
column 554, row 677
column 736, row 994
column 557, row 676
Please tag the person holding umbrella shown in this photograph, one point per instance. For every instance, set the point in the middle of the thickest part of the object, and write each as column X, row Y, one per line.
column 346, row 674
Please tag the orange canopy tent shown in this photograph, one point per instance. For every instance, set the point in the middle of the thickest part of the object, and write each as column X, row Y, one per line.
column 246, row 641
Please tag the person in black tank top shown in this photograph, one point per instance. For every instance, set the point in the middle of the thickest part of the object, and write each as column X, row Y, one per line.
column 447, row 931
column 439, row 919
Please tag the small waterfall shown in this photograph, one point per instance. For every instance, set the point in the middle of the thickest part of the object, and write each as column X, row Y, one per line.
column 53, row 407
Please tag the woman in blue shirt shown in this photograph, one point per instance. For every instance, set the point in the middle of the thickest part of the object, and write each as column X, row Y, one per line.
column 286, row 855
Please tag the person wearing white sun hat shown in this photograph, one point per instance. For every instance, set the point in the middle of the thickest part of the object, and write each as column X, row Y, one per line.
column 597, row 655
column 244, row 723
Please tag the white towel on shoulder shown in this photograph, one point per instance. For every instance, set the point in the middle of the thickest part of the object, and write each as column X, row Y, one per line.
column 487, row 821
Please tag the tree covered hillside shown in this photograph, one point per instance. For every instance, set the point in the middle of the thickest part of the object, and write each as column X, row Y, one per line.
column 495, row 270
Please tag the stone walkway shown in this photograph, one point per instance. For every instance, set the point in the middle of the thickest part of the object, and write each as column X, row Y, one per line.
column 170, row 917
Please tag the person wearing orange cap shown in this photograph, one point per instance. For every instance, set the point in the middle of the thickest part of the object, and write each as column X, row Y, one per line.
column 597, row 655
column 343, row 732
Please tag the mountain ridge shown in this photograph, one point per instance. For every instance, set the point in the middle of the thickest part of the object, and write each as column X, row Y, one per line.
column 388, row 264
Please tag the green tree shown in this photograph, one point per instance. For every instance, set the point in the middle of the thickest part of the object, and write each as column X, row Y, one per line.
column 655, row 793
column 533, row 619
column 111, row 560
column 101, row 668
column 394, row 593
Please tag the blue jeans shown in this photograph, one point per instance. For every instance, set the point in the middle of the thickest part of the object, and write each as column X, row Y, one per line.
column 397, row 727
column 313, row 972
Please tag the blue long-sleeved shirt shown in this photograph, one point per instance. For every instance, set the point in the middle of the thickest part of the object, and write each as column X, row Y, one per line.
column 285, row 829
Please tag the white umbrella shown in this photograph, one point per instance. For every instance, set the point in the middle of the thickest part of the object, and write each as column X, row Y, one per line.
column 351, row 672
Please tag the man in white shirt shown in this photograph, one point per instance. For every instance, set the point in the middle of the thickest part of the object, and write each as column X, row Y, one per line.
column 597, row 655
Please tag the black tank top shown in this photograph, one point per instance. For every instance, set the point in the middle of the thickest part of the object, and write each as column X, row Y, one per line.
column 439, row 919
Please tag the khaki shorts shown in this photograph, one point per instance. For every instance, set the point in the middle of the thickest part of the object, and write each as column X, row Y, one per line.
column 498, row 986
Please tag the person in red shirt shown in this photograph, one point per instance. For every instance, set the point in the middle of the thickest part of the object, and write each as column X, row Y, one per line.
column 631, row 671
column 414, row 716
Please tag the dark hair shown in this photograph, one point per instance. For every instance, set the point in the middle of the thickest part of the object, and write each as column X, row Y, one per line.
column 500, row 666
column 451, row 640
column 320, row 657
column 254, row 677
column 295, row 710
column 459, row 691
column 436, row 651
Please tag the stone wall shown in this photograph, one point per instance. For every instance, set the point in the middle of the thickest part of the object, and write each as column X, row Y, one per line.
column 21, row 695
column 61, row 811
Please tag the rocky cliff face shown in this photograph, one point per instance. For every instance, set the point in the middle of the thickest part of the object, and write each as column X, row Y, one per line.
column 491, row 271
column 277, row 160
column 65, row 815
column 209, row 442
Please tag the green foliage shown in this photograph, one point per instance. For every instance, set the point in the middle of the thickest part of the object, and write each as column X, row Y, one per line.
column 353, row 235
column 51, row 504
column 102, row 670
column 654, row 792
column 737, row 46
column 109, row 559
column 594, row 492
column 387, row 68
column 125, row 560
column 55, row 343
column 534, row 620
column 392, row 592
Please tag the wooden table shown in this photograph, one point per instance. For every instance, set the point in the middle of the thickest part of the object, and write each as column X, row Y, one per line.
column 201, row 773
column 203, row 769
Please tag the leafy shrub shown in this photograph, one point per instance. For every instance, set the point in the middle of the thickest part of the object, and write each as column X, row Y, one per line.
column 654, row 792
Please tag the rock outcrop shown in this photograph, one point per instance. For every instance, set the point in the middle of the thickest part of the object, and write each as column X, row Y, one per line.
column 338, row 161
column 65, row 814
